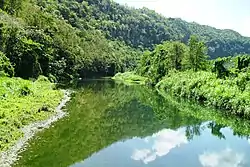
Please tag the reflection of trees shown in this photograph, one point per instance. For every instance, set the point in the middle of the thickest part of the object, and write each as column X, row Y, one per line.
column 215, row 129
column 103, row 113
column 169, row 112
column 193, row 130
column 196, row 130
column 100, row 116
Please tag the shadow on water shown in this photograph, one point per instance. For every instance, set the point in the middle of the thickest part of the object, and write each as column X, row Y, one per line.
column 103, row 113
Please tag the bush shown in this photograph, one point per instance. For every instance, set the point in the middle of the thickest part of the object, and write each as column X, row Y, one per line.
column 25, row 90
column 6, row 69
column 231, row 94
column 42, row 78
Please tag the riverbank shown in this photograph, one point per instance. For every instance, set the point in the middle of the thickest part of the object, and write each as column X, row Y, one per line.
column 122, row 113
column 26, row 108
column 230, row 94
column 129, row 78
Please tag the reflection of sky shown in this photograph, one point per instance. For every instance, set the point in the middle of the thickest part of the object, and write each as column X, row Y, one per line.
column 163, row 142
column 224, row 158
column 171, row 148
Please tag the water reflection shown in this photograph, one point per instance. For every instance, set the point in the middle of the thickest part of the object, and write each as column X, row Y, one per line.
column 163, row 142
column 111, row 125
column 171, row 148
column 223, row 158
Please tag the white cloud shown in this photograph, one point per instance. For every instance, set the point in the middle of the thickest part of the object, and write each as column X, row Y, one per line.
column 163, row 142
column 140, row 154
column 224, row 158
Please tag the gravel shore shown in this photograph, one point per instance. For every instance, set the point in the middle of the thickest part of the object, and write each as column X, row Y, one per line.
column 10, row 156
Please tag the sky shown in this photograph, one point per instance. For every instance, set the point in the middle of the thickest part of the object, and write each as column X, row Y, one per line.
column 222, row 14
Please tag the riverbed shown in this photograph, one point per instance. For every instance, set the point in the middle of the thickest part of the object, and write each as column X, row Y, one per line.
column 114, row 125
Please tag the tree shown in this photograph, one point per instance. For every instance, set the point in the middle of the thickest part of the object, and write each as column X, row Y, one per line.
column 159, row 61
column 216, row 129
column 165, row 57
column 197, row 56
column 177, row 53
column 11, row 6
column 144, row 63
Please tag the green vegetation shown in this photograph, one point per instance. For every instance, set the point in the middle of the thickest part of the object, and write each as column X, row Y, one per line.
column 130, row 78
column 23, row 102
column 38, row 41
column 197, row 55
column 65, row 40
column 144, row 28
column 6, row 68
column 173, row 56
column 185, row 71
column 71, row 39
column 232, row 94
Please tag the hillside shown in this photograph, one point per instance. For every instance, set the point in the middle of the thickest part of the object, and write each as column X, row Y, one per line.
column 143, row 28
column 68, row 39
column 38, row 42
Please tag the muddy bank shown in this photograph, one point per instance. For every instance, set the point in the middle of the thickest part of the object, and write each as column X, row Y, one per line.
column 10, row 156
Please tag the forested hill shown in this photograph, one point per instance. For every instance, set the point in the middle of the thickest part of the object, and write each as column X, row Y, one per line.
column 144, row 28
column 36, row 40
column 66, row 39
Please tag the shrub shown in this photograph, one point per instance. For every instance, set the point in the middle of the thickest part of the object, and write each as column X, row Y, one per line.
column 231, row 93
column 25, row 90
column 6, row 69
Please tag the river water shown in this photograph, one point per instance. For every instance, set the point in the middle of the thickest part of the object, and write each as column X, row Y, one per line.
column 114, row 125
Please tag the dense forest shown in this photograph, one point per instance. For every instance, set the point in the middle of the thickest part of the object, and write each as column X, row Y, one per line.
column 186, row 71
column 144, row 28
column 68, row 39
column 37, row 42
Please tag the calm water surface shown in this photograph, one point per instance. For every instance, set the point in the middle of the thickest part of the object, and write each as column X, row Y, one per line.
column 113, row 125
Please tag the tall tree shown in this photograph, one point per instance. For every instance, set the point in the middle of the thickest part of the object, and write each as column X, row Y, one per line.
column 197, row 56
column 144, row 63
column 177, row 54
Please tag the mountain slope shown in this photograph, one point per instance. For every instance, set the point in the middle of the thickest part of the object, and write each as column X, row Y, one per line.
column 38, row 42
column 66, row 39
column 143, row 28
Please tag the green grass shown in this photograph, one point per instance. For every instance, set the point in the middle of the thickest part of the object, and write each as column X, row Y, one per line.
column 23, row 102
column 231, row 94
column 130, row 78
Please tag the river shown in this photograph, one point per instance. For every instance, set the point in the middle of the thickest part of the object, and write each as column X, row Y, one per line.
column 114, row 125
